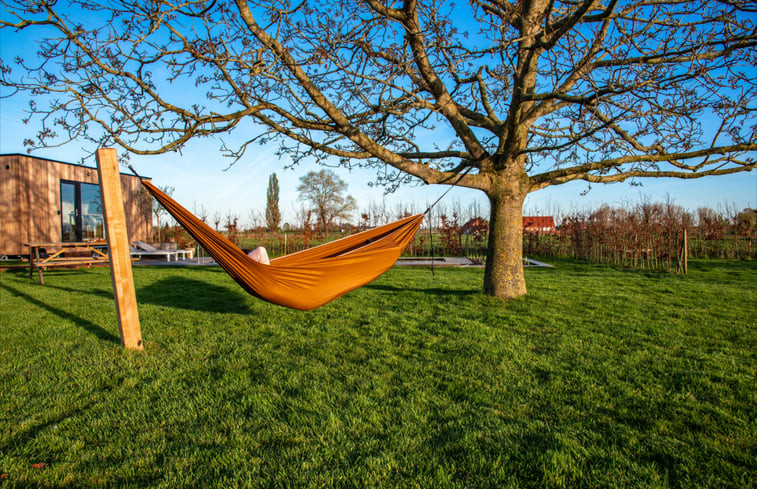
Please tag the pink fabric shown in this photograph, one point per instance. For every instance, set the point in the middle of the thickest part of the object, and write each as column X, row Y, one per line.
column 260, row 255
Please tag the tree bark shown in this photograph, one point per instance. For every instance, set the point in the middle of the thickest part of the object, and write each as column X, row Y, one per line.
column 503, row 275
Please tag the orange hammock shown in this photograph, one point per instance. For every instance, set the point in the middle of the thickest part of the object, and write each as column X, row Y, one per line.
column 306, row 279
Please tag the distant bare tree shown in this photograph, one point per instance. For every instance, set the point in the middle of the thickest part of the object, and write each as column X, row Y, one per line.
column 232, row 222
column 217, row 218
column 534, row 93
column 254, row 219
column 324, row 191
column 301, row 215
column 200, row 211
column 378, row 212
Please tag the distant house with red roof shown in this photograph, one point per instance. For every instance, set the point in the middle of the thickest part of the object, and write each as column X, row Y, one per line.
column 538, row 224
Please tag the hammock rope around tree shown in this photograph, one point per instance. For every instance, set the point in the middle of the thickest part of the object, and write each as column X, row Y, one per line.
column 306, row 279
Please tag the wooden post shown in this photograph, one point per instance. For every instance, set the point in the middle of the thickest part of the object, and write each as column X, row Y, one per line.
column 118, row 244
column 685, row 252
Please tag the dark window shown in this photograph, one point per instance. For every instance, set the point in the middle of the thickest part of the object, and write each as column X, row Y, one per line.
column 81, row 211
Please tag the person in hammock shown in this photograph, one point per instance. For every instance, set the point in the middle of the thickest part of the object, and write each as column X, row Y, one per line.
column 260, row 255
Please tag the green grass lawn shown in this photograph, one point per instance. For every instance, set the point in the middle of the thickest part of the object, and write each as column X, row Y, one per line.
column 598, row 378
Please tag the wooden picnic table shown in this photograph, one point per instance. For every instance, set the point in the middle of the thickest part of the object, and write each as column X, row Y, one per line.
column 98, row 255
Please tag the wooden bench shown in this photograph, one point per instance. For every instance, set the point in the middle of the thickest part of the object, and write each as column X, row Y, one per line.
column 72, row 262
column 69, row 255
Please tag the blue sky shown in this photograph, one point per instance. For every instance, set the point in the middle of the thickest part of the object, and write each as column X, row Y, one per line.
column 202, row 177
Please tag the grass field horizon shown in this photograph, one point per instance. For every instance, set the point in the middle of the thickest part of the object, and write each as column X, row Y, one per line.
column 599, row 377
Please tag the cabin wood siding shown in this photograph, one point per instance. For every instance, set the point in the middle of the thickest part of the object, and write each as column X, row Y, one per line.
column 30, row 201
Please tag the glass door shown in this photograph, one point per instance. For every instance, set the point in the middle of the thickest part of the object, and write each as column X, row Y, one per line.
column 81, row 211
column 69, row 214
column 91, row 204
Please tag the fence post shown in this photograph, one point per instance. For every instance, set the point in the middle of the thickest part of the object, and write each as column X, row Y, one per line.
column 118, row 246
column 685, row 252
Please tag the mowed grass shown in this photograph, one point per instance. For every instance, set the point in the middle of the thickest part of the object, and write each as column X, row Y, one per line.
column 598, row 378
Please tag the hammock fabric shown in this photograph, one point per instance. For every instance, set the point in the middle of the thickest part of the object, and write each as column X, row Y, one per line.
column 306, row 279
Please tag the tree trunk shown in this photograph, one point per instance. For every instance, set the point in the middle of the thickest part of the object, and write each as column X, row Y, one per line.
column 503, row 275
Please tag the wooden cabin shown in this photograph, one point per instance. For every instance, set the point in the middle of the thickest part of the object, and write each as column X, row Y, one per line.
column 48, row 201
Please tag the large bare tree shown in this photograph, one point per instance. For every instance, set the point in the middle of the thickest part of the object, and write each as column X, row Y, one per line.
column 507, row 97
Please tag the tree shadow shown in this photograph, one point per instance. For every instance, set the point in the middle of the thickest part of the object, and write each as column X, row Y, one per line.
column 30, row 431
column 106, row 294
column 89, row 326
column 194, row 295
column 438, row 291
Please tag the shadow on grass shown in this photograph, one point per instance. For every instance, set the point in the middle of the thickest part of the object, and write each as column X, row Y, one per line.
column 31, row 430
column 437, row 291
column 195, row 295
column 18, row 272
column 105, row 294
column 89, row 326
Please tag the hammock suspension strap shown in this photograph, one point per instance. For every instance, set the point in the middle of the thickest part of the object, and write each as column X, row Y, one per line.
column 428, row 211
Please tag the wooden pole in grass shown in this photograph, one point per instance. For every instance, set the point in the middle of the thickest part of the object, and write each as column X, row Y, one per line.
column 118, row 244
